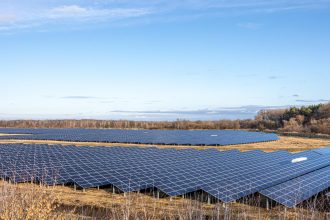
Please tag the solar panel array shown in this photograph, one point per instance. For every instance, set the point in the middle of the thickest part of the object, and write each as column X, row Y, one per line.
column 299, row 189
column 322, row 151
column 226, row 175
column 170, row 137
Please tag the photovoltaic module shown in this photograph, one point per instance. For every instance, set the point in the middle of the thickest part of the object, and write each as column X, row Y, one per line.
column 169, row 137
column 225, row 175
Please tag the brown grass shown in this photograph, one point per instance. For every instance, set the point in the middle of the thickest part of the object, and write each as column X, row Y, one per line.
column 32, row 201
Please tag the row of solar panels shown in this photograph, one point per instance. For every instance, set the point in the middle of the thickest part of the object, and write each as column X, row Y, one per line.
column 171, row 137
column 226, row 175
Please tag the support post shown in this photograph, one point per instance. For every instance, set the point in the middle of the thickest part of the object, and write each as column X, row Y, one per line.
column 157, row 194
column 267, row 204
column 226, row 211
column 208, row 199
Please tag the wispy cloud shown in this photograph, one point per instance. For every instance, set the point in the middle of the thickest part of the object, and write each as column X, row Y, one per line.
column 24, row 14
column 108, row 102
column 76, row 11
column 251, row 109
column 68, row 10
column 273, row 77
column 78, row 97
column 313, row 100
column 241, row 112
column 67, row 14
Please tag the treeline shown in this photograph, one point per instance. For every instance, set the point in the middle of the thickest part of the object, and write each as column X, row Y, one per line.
column 309, row 119
column 125, row 124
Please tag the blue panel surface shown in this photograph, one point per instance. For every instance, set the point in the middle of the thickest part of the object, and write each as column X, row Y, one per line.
column 299, row 189
column 322, row 151
column 170, row 137
column 227, row 175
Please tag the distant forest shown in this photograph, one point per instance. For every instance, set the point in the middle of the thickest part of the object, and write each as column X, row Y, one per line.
column 314, row 119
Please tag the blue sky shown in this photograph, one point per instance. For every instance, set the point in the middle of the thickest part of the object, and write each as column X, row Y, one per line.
column 152, row 60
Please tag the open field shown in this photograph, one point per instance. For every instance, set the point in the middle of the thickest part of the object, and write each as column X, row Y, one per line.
column 292, row 144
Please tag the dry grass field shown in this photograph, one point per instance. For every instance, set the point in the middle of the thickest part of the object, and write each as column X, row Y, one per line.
column 33, row 201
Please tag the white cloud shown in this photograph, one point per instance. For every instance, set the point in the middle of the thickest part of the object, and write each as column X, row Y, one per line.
column 266, row 5
column 15, row 14
column 68, row 14
column 69, row 10
column 75, row 11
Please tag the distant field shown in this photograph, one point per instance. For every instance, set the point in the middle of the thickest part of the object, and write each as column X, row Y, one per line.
column 292, row 144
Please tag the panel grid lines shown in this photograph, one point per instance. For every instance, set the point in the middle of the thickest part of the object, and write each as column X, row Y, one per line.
column 170, row 137
column 227, row 175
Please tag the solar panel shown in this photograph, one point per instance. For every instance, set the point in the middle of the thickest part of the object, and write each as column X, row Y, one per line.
column 328, row 194
column 265, row 175
column 322, row 151
column 227, row 175
column 171, row 137
column 299, row 189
